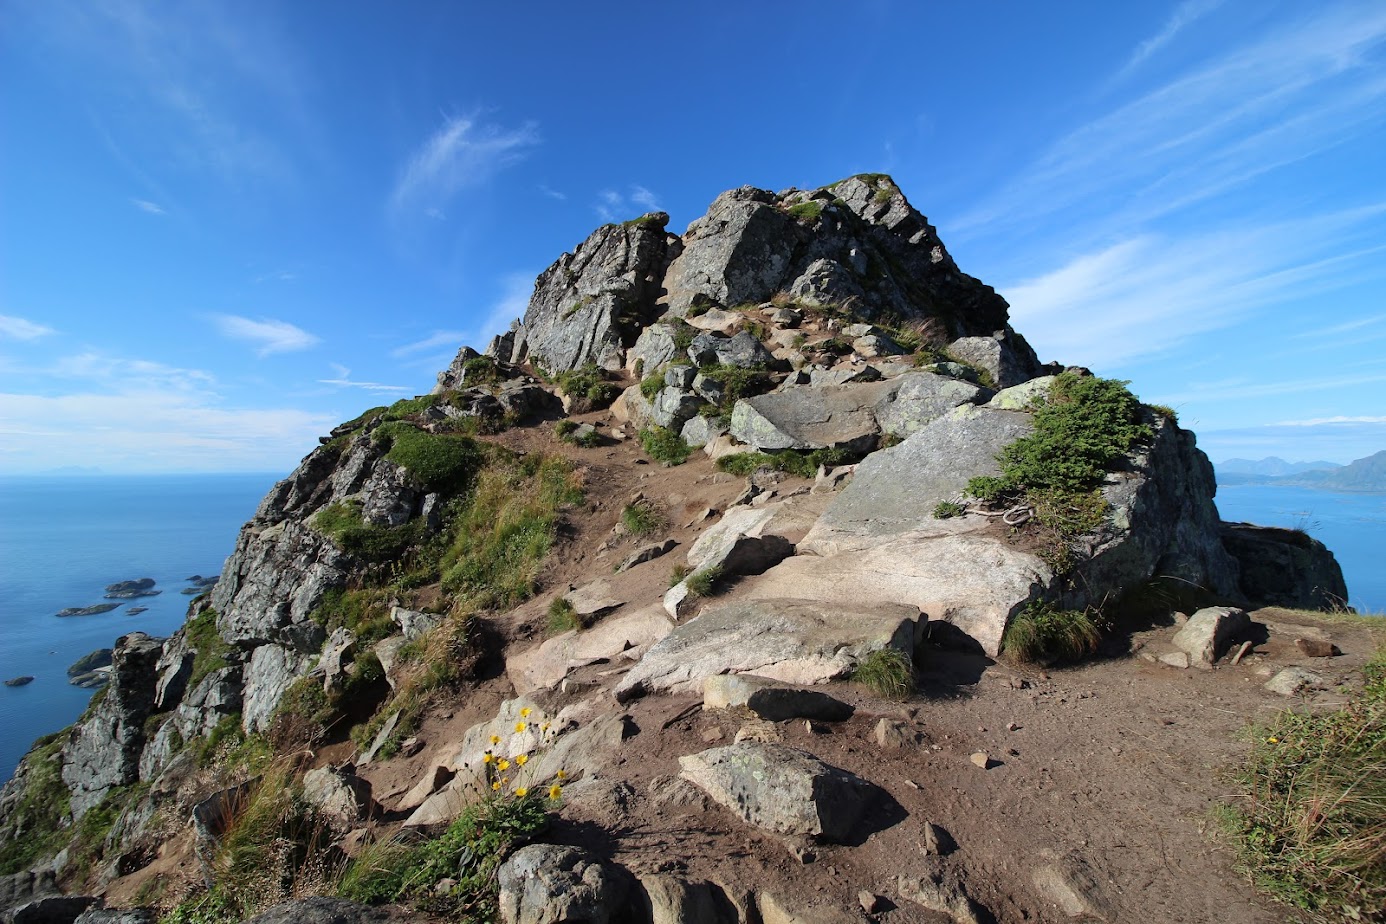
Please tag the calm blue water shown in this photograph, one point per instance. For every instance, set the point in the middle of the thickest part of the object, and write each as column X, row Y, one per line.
column 62, row 540
column 1353, row 526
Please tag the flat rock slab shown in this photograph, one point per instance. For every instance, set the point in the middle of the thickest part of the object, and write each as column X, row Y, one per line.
column 771, row 699
column 780, row 789
column 744, row 541
column 1293, row 680
column 544, row 666
column 1209, row 632
column 593, row 599
column 795, row 640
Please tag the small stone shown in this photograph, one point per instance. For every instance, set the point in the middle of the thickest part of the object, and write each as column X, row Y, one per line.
column 758, row 730
column 1180, row 618
column 802, row 852
column 871, row 903
column 1317, row 648
column 937, row 841
column 712, row 734
column 981, row 759
column 815, row 728
column 891, row 734
column 1177, row 659
column 1011, row 726
column 1293, row 680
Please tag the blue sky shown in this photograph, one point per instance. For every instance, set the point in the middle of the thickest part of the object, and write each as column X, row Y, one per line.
column 228, row 226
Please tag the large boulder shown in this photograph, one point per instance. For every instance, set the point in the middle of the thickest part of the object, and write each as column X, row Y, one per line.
column 801, row 641
column 103, row 749
column 590, row 305
column 1209, row 632
column 546, row 664
column 551, row 884
column 1284, row 567
column 780, row 789
column 1004, row 356
column 744, row 541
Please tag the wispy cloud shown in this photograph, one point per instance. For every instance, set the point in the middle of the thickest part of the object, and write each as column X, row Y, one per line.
column 613, row 205
column 125, row 373
column 461, row 152
column 272, row 336
column 552, row 193
column 13, row 328
column 344, row 380
column 1184, row 15
column 1330, row 421
column 1150, row 293
column 1272, row 101
column 145, row 205
column 441, row 338
column 276, row 276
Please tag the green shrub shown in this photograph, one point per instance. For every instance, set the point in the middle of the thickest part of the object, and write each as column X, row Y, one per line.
column 409, row 407
column 1309, row 823
column 1165, row 411
column 806, row 212
column 642, row 519
column 665, row 445
column 341, row 521
column 944, row 510
column 792, row 461
column 210, row 649
column 652, row 384
column 683, row 334
column 588, row 387
column 481, row 370
column 737, row 382
column 564, row 428
column 562, row 617
column 887, row 672
column 42, row 811
column 1042, row 633
column 365, row 611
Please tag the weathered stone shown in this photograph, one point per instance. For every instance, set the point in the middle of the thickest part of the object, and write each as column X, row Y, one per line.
column 874, row 345
column 413, row 623
column 679, row 601
column 103, row 751
column 937, row 841
column 666, row 899
column 1075, row 888
column 771, row 699
column 1208, row 632
column 940, row 894
column 340, row 796
column 808, row 418
column 337, row 654
column 646, row 553
column 780, row 789
column 674, row 407
column 653, row 348
column 742, row 350
column 797, row 641
column 387, row 652
column 916, row 399
column 1284, row 567
column 381, row 737
column 715, row 319
column 633, row 408
column 593, row 598
column 1293, row 680
column 586, row 302
column 1317, row 648
column 116, row 916
column 843, row 375
column 1004, row 356
column 1177, row 659
column 51, row 909
column 547, row 664
column 680, row 377
column 775, row 910
column 891, row 734
column 271, row 671
column 549, row 884
column 744, row 541
column 1024, row 396
column 700, row 430
column 320, row 910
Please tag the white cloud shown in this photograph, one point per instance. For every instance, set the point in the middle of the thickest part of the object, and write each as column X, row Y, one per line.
column 271, row 335
column 1328, row 421
column 14, row 328
column 552, row 193
column 612, row 205
column 459, row 153
column 343, row 380
column 437, row 339
column 145, row 205
column 1184, row 15
column 1148, row 294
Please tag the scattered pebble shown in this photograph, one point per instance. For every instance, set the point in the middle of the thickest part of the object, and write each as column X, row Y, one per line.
column 981, row 759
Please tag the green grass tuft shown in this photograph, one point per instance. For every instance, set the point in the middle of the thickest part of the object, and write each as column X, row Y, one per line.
column 703, row 583
column 441, row 462
column 642, row 519
column 887, row 672
column 1042, row 633
column 1309, row 823
column 944, row 510
column 793, row 461
column 664, row 445
column 562, row 617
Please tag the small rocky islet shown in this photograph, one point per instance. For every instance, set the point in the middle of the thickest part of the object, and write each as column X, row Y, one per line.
column 847, row 385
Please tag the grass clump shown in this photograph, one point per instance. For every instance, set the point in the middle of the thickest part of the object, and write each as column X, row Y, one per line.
column 642, row 519
column 665, row 445
column 806, row 212
column 703, row 583
column 567, row 431
column 1043, row 634
column 481, row 370
column 1164, row 411
column 945, row 510
column 409, row 407
column 737, row 382
column 792, row 461
column 652, row 384
column 887, row 672
column 210, row 649
column 440, row 461
column 1309, row 823
column 365, row 611
column 562, row 617
column 341, row 521
column 683, row 334
column 587, row 388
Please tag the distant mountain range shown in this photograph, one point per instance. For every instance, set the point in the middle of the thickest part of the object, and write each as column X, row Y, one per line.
column 1365, row 475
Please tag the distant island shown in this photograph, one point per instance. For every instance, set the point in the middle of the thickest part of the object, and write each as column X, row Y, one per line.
column 1365, row 476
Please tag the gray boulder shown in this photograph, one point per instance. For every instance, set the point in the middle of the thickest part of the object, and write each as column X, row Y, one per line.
column 413, row 623
column 653, row 348
column 272, row 669
column 51, row 909
column 772, row 700
column 320, row 910
column 1284, row 567
column 1209, row 632
column 116, row 916
column 742, row 350
column 674, row 407
column 103, row 750
column 666, row 899
column 797, row 641
column 1293, row 680
column 699, row 431
column 1004, row 356
column 589, row 306
column 339, row 795
column 780, row 789
column 808, row 418
column 744, row 541
column 550, row 884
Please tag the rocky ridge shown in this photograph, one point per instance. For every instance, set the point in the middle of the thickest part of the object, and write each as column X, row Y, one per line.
column 827, row 328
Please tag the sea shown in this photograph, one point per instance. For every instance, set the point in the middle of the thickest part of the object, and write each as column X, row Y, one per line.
column 62, row 540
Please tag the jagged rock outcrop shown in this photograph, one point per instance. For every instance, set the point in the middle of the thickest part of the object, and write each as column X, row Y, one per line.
column 103, row 750
column 591, row 304
column 1284, row 567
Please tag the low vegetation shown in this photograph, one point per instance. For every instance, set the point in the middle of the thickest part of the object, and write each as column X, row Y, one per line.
column 210, row 649
column 587, row 388
column 569, row 431
column 945, row 510
column 887, row 672
column 665, row 445
column 704, row 582
column 1309, row 820
column 792, row 461
column 562, row 617
column 42, row 811
column 642, row 519
column 1084, row 425
column 1044, row 634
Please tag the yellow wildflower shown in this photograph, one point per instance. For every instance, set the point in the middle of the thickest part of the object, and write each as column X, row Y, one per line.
column 1272, row 740
column 561, row 775
column 495, row 787
column 495, row 739
column 519, row 727
column 503, row 765
column 522, row 759
column 555, row 791
column 544, row 727
column 487, row 757
column 524, row 713
column 522, row 792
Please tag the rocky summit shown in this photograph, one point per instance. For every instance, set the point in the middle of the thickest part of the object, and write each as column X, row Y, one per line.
column 758, row 573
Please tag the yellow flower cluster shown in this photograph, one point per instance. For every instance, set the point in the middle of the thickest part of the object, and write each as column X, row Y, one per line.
column 496, row 765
